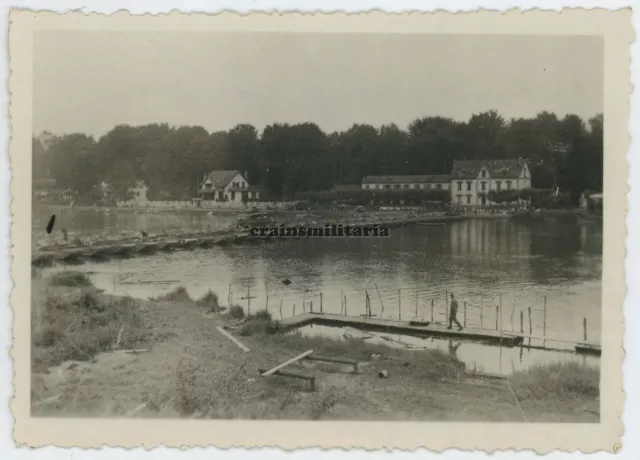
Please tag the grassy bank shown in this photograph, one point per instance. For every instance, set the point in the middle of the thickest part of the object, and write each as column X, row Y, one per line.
column 190, row 369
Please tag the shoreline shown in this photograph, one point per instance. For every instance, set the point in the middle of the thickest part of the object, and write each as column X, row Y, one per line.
column 170, row 338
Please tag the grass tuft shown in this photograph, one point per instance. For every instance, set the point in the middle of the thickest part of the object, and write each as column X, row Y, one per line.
column 236, row 312
column 209, row 300
column 70, row 279
column 563, row 381
column 80, row 325
column 179, row 294
column 260, row 324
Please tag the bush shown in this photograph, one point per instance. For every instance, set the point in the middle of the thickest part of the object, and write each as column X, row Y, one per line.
column 70, row 279
column 236, row 312
column 260, row 324
column 210, row 299
column 179, row 294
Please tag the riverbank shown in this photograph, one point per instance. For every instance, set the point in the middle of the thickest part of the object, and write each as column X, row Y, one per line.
column 165, row 358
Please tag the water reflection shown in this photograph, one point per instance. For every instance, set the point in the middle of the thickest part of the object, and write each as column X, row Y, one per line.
column 476, row 357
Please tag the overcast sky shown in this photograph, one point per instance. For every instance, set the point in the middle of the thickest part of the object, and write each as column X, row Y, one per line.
column 91, row 81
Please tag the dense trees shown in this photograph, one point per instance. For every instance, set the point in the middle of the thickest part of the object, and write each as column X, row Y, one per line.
column 293, row 159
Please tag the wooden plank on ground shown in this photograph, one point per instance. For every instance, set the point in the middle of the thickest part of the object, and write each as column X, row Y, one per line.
column 273, row 370
column 233, row 339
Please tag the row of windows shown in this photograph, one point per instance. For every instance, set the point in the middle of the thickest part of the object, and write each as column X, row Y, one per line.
column 237, row 185
column 483, row 185
column 402, row 186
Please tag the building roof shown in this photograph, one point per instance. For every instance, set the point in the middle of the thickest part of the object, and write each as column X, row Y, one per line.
column 346, row 187
column 423, row 179
column 469, row 169
column 220, row 179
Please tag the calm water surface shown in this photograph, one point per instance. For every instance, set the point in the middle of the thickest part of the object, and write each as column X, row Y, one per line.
column 486, row 263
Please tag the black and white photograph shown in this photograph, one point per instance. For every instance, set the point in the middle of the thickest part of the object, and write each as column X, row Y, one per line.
column 266, row 225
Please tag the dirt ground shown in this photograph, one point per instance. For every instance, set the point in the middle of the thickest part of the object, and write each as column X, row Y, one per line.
column 187, row 368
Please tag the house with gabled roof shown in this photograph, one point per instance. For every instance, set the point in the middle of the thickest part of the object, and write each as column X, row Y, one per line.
column 472, row 180
column 227, row 186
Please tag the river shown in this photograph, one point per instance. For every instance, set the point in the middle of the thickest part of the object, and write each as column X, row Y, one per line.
column 499, row 271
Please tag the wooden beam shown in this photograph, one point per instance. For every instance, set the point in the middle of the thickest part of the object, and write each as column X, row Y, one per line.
column 273, row 370
column 334, row 360
column 233, row 339
column 310, row 378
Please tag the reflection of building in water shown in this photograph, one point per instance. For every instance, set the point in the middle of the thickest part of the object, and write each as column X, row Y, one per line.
column 591, row 238
column 488, row 238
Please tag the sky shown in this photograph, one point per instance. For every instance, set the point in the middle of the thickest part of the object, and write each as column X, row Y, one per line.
column 92, row 81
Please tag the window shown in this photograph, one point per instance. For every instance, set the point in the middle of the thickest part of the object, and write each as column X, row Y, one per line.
column 459, row 199
column 387, row 186
column 406, row 185
column 242, row 184
column 429, row 186
column 484, row 185
column 378, row 186
column 438, row 186
column 498, row 185
column 420, row 186
column 397, row 185
column 468, row 199
column 233, row 195
column 508, row 185
column 468, row 186
column 459, row 186
column 484, row 173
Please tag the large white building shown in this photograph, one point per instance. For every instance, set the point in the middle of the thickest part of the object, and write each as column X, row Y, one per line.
column 472, row 180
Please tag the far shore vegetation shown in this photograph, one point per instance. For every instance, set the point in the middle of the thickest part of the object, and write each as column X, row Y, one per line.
column 290, row 160
column 187, row 368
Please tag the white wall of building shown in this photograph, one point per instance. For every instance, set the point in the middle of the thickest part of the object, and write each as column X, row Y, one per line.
column 399, row 187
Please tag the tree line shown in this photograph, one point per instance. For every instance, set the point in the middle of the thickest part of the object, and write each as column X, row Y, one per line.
column 289, row 159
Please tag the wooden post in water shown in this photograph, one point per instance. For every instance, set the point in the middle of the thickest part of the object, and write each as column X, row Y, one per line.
column 446, row 306
column 321, row 302
column 311, row 306
column 431, row 310
column 544, row 318
column 399, row 305
column 513, row 309
column 481, row 312
column 345, row 306
column 584, row 327
column 294, row 310
column 416, row 301
column 497, row 315
column 521, row 322
column 464, row 321
column 530, row 324
column 381, row 302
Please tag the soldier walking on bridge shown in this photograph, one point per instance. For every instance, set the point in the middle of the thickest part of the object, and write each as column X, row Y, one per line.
column 453, row 313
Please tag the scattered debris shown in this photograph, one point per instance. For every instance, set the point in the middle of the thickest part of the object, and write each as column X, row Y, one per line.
column 137, row 410
column 47, row 400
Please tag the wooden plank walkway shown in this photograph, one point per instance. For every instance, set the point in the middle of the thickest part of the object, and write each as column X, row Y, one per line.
column 126, row 247
column 401, row 327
